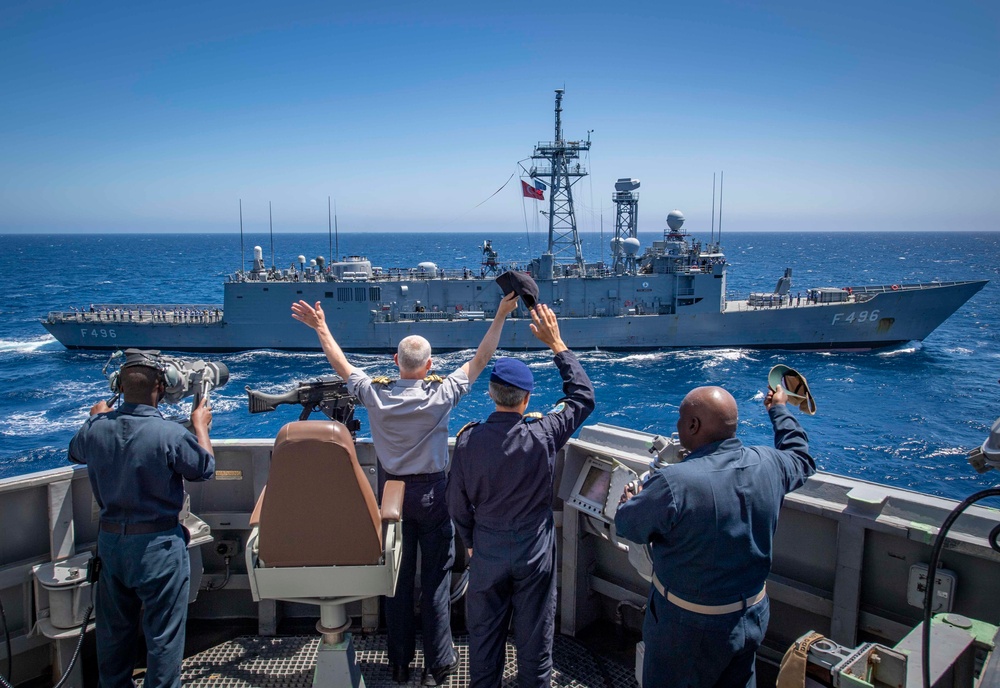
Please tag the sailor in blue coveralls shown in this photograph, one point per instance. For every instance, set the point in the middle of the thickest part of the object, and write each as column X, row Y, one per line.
column 409, row 424
column 711, row 520
column 137, row 462
column 500, row 497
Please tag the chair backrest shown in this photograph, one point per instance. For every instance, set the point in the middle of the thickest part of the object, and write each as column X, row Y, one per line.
column 319, row 509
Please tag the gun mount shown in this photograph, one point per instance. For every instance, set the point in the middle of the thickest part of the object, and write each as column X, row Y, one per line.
column 327, row 395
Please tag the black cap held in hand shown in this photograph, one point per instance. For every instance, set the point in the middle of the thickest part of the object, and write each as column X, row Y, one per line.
column 521, row 284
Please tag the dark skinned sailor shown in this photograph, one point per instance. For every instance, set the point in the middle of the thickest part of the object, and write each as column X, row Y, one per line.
column 500, row 497
column 137, row 462
column 710, row 520
column 409, row 424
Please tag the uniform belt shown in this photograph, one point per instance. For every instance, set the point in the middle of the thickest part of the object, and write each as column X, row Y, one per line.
column 418, row 477
column 709, row 609
column 147, row 528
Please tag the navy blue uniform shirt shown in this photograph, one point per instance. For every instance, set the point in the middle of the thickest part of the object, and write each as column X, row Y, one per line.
column 137, row 461
column 711, row 518
column 501, row 471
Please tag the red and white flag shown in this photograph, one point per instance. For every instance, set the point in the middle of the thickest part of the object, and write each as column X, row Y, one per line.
column 532, row 192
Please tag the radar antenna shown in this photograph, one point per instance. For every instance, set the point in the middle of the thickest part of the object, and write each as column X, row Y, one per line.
column 554, row 163
column 626, row 201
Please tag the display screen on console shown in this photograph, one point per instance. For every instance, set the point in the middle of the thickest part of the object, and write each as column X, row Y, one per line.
column 595, row 486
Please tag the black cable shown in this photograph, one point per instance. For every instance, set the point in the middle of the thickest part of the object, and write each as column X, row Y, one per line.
column 932, row 572
column 10, row 654
column 69, row 668
column 208, row 586
column 993, row 538
column 76, row 652
column 6, row 635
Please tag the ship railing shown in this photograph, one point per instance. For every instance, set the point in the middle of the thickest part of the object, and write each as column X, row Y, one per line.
column 279, row 276
column 886, row 288
column 695, row 269
column 401, row 274
column 861, row 294
column 416, row 316
column 685, row 269
column 140, row 313
column 380, row 275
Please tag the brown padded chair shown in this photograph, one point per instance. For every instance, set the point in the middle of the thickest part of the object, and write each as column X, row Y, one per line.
column 318, row 528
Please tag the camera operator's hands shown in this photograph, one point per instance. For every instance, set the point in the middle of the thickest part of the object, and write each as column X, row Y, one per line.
column 101, row 407
column 630, row 491
column 201, row 417
column 311, row 316
column 546, row 329
column 201, row 420
column 775, row 396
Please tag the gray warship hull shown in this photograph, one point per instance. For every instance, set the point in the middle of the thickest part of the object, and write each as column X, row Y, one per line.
column 630, row 312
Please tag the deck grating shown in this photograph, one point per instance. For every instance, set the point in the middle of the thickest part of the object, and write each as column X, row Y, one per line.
column 287, row 662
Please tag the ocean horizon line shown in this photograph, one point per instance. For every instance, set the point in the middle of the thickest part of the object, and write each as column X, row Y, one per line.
column 489, row 232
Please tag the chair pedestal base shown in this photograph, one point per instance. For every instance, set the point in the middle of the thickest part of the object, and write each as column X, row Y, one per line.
column 336, row 665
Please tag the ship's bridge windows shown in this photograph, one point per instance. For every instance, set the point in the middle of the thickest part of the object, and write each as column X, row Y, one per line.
column 345, row 294
column 360, row 293
column 375, row 294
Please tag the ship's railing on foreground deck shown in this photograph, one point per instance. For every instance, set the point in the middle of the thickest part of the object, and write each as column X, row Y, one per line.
column 842, row 559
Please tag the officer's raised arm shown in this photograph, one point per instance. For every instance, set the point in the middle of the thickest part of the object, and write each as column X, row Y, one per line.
column 578, row 400
column 545, row 327
column 316, row 319
column 491, row 339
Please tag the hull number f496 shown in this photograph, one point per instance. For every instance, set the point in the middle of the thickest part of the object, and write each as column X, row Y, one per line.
column 94, row 333
column 855, row 316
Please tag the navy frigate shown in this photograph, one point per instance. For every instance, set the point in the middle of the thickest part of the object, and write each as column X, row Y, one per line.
column 672, row 295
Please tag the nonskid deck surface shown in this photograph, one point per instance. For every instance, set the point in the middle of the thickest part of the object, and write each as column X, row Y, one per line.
column 279, row 662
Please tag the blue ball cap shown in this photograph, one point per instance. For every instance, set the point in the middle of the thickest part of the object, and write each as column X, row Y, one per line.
column 510, row 371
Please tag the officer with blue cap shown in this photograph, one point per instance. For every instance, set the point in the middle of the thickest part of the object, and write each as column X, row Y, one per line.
column 514, row 373
column 500, row 498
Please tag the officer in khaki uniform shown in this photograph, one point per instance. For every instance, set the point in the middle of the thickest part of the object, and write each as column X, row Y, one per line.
column 409, row 424
column 500, row 497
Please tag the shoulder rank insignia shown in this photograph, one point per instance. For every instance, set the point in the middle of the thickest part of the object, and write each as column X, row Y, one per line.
column 531, row 417
column 558, row 408
column 434, row 378
column 465, row 427
column 382, row 380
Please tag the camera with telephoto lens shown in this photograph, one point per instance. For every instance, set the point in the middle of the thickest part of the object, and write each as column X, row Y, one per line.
column 182, row 377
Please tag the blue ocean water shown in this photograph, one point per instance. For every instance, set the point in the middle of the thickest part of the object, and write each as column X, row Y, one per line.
column 904, row 416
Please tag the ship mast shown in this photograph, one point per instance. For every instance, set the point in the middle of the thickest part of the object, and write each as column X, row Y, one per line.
column 554, row 163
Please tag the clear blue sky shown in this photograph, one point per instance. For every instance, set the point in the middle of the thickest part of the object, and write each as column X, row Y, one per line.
column 135, row 116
